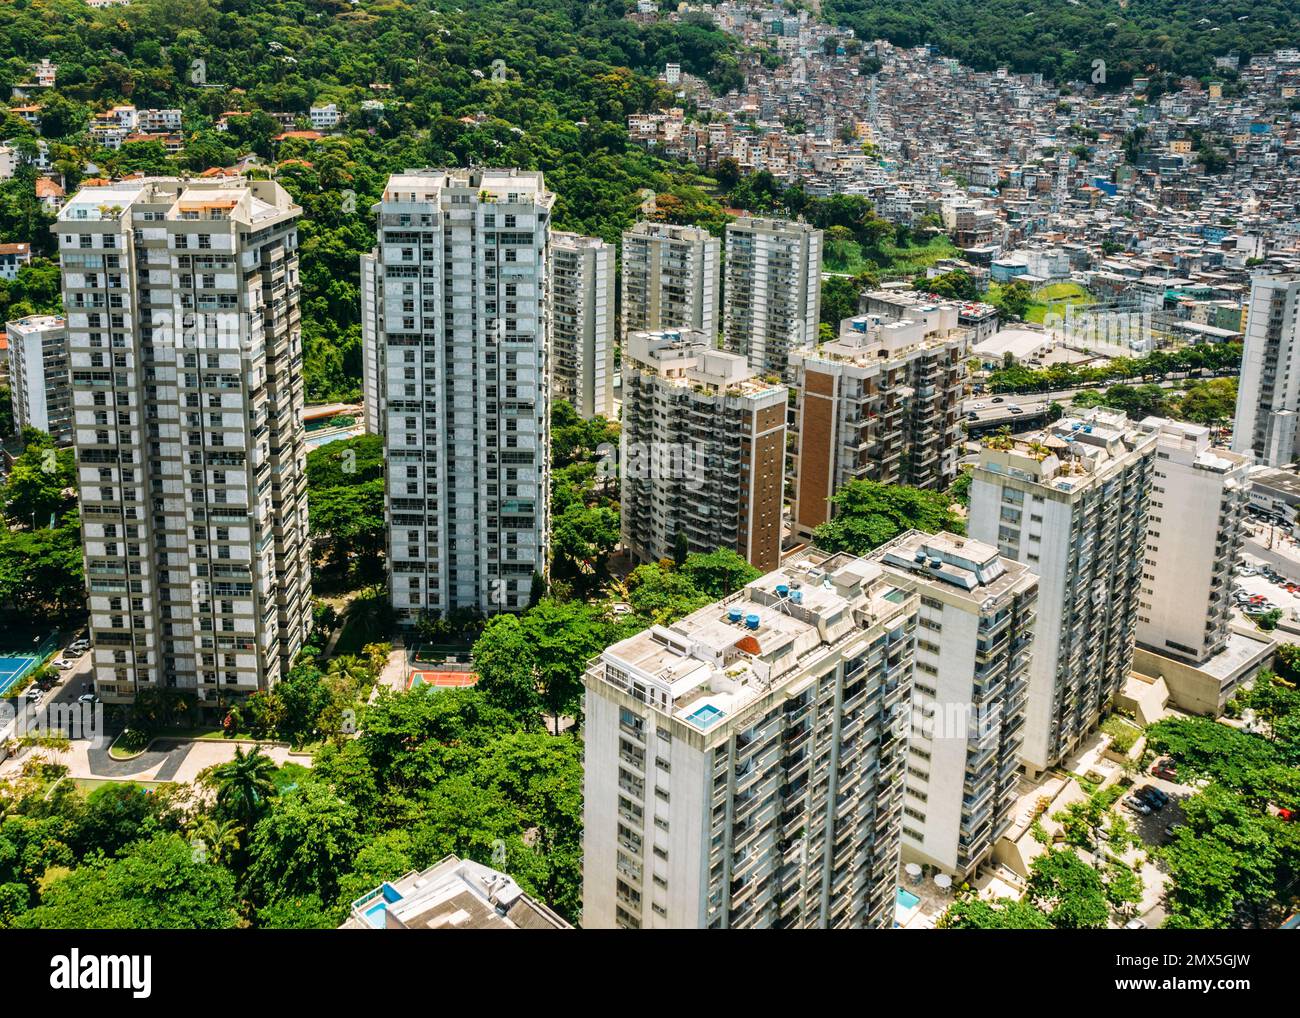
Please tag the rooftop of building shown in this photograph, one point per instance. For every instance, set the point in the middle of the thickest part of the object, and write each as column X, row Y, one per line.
column 1070, row 454
column 454, row 894
column 251, row 202
column 713, row 663
column 36, row 323
column 1196, row 440
column 770, row 224
column 670, row 231
column 497, row 185
column 874, row 339
column 561, row 239
column 687, row 358
column 965, row 567
column 1283, row 479
column 913, row 298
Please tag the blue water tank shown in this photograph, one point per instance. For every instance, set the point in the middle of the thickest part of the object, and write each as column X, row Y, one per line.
column 796, row 596
column 751, row 621
column 782, row 589
column 734, row 614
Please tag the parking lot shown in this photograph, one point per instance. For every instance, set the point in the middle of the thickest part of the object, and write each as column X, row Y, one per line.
column 1257, row 584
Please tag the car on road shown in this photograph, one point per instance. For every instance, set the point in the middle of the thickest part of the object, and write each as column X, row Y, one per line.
column 1015, row 410
column 1165, row 768
column 1135, row 924
column 1137, row 805
column 972, row 416
column 980, row 406
column 88, row 698
column 997, row 399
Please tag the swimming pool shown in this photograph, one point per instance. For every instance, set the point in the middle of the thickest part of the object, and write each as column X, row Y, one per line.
column 706, row 716
column 906, row 899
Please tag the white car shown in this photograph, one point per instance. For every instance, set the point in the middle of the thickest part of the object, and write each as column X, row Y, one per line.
column 79, row 648
column 1135, row 924
column 63, row 664
column 1137, row 805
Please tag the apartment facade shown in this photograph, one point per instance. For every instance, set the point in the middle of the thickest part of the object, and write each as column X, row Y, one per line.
column 703, row 447
column 373, row 389
column 670, row 279
column 38, row 375
column 1195, row 529
column 975, row 628
column 582, row 323
column 458, row 345
column 1071, row 504
column 882, row 402
column 185, row 350
column 743, row 766
column 1268, row 393
column 773, row 294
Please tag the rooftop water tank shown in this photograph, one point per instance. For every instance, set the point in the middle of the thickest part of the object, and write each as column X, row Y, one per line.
column 782, row 589
column 734, row 614
column 796, row 596
column 751, row 621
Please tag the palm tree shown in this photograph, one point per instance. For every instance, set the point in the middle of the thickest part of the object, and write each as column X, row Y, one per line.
column 220, row 838
column 355, row 671
column 244, row 784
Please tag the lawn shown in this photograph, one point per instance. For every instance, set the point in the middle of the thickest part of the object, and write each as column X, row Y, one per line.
column 888, row 260
column 1054, row 297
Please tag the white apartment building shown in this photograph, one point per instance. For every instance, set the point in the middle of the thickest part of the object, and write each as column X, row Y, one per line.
column 743, row 766
column 38, row 375
column 1195, row 528
column 670, row 279
column 1070, row 502
column 703, row 447
column 582, row 323
column 882, row 402
column 458, row 319
column 326, row 117
column 373, row 389
column 452, row 894
column 184, row 340
column 1268, row 393
column 969, row 694
column 773, row 294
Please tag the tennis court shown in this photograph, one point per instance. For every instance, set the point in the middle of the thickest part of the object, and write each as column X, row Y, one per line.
column 442, row 679
column 16, row 664
column 14, row 668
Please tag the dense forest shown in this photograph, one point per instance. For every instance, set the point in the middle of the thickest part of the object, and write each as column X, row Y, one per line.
column 1062, row 38
column 541, row 85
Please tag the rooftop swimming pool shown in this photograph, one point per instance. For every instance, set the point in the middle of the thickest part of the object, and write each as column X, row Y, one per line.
column 906, row 899
column 706, row 716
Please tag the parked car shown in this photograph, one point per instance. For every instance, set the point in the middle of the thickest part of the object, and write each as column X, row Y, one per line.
column 1137, row 805
column 88, row 698
column 79, row 646
column 1153, row 797
column 1165, row 768
column 1171, row 830
column 34, row 694
column 1135, row 924
column 63, row 664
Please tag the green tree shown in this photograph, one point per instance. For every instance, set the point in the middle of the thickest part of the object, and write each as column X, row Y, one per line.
column 1067, row 890
column 157, row 884
column 244, row 785
column 867, row 514
column 507, row 669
